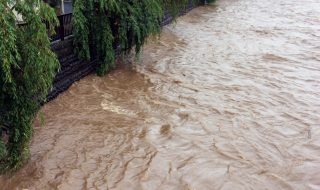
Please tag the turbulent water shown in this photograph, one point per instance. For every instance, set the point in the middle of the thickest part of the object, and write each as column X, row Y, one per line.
column 227, row 98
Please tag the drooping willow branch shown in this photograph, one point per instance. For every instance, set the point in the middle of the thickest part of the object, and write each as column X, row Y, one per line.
column 99, row 25
column 27, row 69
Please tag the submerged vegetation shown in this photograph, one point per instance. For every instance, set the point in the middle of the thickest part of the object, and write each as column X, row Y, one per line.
column 28, row 66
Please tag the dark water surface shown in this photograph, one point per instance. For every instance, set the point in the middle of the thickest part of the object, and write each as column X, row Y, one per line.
column 228, row 98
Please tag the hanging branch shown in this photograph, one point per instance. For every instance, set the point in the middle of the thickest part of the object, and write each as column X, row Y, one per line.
column 99, row 24
column 28, row 67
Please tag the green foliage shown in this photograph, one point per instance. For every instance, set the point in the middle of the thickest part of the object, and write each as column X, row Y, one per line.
column 211, row 1
column 28, row 67
column 3, row 150
column 100, row 25
column 174, row 6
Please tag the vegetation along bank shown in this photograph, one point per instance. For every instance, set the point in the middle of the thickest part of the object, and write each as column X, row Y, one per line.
column 29, row 65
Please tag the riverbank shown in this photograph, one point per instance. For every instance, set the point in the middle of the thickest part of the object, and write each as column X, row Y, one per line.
column 227, row 98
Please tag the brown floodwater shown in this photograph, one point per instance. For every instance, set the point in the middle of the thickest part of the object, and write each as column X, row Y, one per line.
column 227, row 98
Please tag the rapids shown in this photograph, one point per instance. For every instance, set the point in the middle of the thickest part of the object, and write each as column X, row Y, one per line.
column 227, row 98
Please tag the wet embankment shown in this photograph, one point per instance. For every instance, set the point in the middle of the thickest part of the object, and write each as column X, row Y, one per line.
column 227, row 98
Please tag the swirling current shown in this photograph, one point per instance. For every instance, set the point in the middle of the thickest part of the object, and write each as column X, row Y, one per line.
column 227, row 98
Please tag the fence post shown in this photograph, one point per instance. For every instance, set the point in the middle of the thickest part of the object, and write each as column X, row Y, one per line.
column 61, row 27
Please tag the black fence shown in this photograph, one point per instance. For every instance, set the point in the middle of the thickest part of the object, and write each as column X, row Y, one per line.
column 64, row 29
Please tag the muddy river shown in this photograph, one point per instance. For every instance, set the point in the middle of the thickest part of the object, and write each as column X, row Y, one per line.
column 228, row 98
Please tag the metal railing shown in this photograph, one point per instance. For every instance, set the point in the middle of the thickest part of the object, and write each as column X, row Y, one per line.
column 64, row 29
column 65, row 20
